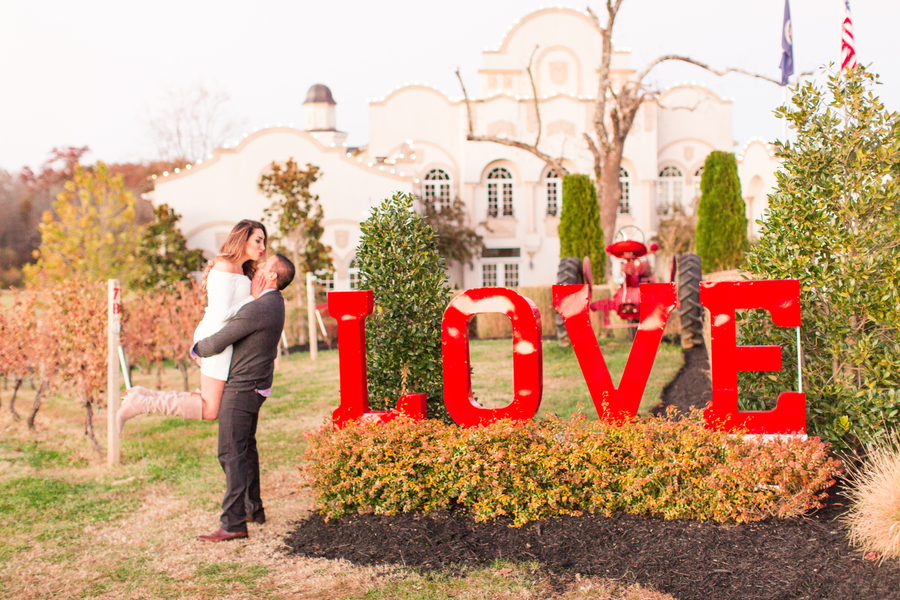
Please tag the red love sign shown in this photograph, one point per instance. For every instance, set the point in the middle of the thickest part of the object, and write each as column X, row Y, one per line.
column 614, row 405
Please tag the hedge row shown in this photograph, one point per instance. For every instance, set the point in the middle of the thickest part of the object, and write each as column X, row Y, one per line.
column 675, row 469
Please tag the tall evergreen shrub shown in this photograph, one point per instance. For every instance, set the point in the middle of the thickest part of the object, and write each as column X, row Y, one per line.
column 834, row 223
column 721, row 237
column 580, row 231
column 398, row 260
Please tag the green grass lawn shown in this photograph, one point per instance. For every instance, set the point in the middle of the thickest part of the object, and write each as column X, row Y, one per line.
column 73, row 527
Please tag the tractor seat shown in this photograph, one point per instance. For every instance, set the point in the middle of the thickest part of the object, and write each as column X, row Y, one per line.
column 627, row 249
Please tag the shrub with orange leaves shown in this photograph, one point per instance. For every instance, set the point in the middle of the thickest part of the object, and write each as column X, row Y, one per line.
column 27, row 350
column 660, row 466
column 76, row 317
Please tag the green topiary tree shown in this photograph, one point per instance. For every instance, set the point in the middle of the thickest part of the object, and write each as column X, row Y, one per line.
column 398, row 260
column 834, row 223
column 162, row 254
column 721, row 234
column 580, row 231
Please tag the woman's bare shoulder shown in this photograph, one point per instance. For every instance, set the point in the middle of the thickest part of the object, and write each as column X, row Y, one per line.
column 226, row 266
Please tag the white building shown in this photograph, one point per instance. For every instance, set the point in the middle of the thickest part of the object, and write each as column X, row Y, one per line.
column 417, row 143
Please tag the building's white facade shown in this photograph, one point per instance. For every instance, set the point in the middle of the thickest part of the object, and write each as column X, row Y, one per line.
column 417, row 143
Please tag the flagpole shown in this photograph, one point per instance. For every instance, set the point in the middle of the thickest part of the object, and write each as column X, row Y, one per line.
column 784, row 121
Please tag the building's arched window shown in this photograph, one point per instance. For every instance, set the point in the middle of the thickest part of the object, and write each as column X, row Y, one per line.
column 698, row 175
column 437, row 188
column 500, row 193
column 353, row 274
column 625, row 192
column 670, row 189
column 554, row 192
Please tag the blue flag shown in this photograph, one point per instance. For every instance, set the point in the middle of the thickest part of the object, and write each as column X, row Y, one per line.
column 787, row 46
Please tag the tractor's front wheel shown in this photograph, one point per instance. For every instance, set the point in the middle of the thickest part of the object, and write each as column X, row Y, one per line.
column 691, row 311
column 569, row 273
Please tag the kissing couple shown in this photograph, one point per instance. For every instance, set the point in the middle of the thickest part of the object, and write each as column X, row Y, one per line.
column 236, row 344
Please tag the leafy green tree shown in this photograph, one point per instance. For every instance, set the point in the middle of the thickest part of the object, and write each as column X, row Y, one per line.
column 834, row 223
column 91, row 232
column 296, row 215
column 399, row 261
column 721, row 237
column 162, row 255
column 580, row 231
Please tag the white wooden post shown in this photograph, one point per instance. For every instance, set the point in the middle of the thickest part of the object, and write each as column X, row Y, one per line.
column 114, row 319
column 311, row 316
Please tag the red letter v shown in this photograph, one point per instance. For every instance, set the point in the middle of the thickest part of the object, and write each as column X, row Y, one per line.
column 615, row 405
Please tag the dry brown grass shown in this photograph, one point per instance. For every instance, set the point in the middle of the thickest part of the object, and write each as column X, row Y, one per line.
column 125, row 533
column 874, row 489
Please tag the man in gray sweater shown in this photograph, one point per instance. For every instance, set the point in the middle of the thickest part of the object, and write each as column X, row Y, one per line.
column 254, row 332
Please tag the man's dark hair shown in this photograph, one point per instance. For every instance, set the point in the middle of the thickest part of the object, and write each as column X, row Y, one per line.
column 284, row 271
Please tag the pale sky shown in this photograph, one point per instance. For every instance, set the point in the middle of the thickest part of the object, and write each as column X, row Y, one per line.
column 87, row 72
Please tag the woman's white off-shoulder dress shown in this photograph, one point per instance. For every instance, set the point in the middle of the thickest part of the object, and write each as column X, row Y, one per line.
column 226, row 294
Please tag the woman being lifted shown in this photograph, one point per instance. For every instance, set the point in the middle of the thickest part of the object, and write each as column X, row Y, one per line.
column 227, row 282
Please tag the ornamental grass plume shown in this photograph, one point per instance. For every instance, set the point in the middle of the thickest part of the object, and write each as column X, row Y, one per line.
column 874, row 490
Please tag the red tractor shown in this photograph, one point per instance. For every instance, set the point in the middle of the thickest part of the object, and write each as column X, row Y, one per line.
column 629, row 246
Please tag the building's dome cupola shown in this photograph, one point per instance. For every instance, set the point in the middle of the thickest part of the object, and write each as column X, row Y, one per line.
column 318, row 110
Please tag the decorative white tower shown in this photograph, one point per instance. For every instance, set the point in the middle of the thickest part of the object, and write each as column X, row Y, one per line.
column 318, row 116
column 318, row 110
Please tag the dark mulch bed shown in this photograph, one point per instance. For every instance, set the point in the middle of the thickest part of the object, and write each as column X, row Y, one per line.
column 790, row 559
column 691, row 387
column 787, row 559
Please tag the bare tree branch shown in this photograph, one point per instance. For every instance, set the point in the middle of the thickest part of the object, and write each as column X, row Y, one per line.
column 551, row 162
column 615, row 108
column 191, row 122
column 537, row 113
column 466, row 98
column 669, row 57
column 603, row 73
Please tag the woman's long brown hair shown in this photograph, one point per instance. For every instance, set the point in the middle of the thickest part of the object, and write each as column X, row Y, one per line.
column 235, row 244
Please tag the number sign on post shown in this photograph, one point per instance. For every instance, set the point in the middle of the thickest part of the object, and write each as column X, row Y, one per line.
column 114, row 319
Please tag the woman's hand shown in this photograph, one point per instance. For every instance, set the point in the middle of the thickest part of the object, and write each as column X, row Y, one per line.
column 258, row 285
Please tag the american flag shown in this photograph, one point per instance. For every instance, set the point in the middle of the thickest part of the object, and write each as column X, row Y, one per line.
column 848, row 45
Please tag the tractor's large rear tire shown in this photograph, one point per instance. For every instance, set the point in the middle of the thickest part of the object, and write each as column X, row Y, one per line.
column 691, row 312
column 569, row 273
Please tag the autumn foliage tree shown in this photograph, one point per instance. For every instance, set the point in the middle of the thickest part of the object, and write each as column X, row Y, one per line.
column 456, row 240
column 158, row 326
column 296, row 214
column 295, row 218
column 76, row 315
column 24, row 197
column 186, row 306
column 90, row 234
column 27, row 351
